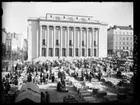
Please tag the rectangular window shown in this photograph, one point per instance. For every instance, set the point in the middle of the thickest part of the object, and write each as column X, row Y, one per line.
column 82, row 43
column 43, row 42
column 70, row 42
column 123, row 38
column 116, row 47
column 56, row 51
column 89, row 52
column 50, row 51
column 70, row 52
column 123, row 43
column 94, row 43
column 123, row 48
column 63, row 51
column 43, row 51
column 57, row 42
column 95, row 52
column 83, row 52
column 127, row 38
column 116, row 43
column 76, row 53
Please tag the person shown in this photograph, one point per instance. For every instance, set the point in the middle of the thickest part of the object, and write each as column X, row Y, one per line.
column 61, row 86
column 53, row 78
column 29, row 77
column 47, row 97
column 42, row 97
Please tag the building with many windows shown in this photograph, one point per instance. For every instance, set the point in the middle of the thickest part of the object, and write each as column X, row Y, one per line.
column 120, row 40
column 60, row 35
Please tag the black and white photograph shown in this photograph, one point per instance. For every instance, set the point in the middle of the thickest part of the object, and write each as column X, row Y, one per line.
column 67, row 52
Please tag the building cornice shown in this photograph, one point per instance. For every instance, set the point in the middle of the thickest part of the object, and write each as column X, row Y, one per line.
column 40, row 19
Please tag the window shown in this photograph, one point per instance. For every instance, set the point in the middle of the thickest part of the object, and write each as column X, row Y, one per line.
column 82, row 43
column 76, row 17
column 70, row 51
column 63, row 51
column 116, row 47
column 120, row 38
column 116, row 38
column 88, row 18
column 130, row 38
column 43, row 51
column 123, row 48
column 123, row 43
column 116, row 43
column 83, row 52
column 120, row 47
column 95, row 52
column 64, row 17
column 123, row 38
column 56, row 51
column 120, row 43
column 120, row 33
column 51, row 16
column 76, row 53
column 70, row 42
column 43, row 42
column 127, row 38
column 94, row 43
column 89, row 52
column 124, row 33
column 127, row 33
column 57, row 42
column 127, row 48
column 50, row 51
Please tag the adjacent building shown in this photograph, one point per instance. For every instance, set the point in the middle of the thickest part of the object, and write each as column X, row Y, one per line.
column 120, row 40
column 4, row 35
column 61, row 35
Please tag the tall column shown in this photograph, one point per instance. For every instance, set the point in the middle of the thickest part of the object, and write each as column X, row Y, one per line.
column 67, row 42
column 48, row 40
column 37, row 44
column 98, row 42
column 80, row 44
column 95, row 46
column 87, row 41
column 60, row 41
column 54, row 32
column 78, row 37
column 92, row 42
column 40, row 40
column 74, row 41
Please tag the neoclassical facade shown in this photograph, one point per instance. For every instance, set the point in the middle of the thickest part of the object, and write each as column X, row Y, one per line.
column 60, row 35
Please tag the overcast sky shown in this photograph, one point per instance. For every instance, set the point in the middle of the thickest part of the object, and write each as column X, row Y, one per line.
column 15, row 14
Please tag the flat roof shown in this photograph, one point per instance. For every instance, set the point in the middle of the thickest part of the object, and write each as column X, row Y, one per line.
column 69, row 15
column 38, row 19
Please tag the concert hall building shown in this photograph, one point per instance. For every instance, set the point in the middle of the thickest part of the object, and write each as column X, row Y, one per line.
column 61, row 35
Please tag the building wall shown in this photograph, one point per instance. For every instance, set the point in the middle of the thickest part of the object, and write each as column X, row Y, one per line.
column 122, row 40
column 35, row 31
column 103, row 41
column 4, row 36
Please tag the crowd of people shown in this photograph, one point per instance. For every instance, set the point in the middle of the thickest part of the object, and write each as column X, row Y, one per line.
column 83, row 70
